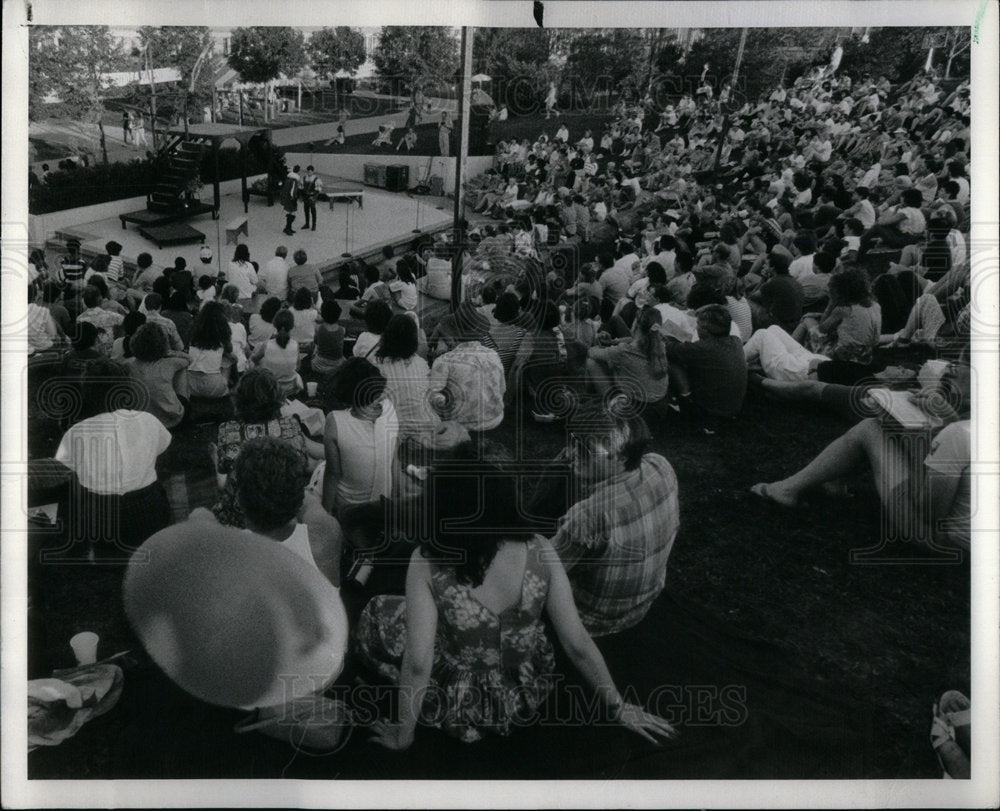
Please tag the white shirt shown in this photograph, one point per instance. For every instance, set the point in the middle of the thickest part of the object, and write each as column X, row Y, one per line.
column 42, row 330
column 274, row 277
column 865, row 213
column 244, row 277
column 801, row 267
column 114, row 453
column 963, row 190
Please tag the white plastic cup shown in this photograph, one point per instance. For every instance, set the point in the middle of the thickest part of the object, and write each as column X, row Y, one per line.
column 311, row 387
column 84, row 647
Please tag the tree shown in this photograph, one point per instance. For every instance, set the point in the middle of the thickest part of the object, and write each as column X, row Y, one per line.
column 408, row 56
column 517, row 60
column 603, row 60
column 959, row 42
column 76, row 69
column 262, row 53
column 336, row 49
column 188, row 49
column 896, row 53
column 42, row 69
column 770, row 55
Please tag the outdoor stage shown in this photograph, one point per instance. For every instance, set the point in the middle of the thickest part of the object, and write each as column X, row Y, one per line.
column 386, row 218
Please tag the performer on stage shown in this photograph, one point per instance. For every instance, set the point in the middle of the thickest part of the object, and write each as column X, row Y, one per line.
column 312, row 188
column 290, row 198
column 444, row 134
column 127, row 127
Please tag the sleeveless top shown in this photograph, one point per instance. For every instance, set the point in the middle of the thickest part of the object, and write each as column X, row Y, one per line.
column 298, row 542
column 283, row 363
column 492, row 671
column 366, row 456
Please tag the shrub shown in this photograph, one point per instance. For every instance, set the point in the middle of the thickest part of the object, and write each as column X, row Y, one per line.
column 89, row 186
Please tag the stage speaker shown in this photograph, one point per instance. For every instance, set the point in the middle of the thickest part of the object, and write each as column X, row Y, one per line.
column 397, row 177
column 437, row 185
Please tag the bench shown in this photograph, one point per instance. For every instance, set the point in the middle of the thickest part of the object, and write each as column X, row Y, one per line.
column 344, row 193
column 236, row 227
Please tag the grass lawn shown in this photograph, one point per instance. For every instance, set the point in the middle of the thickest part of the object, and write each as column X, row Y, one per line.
column 891, row 636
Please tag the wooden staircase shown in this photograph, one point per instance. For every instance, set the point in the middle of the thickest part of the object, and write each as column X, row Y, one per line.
column 182, row 159
column 168, row 202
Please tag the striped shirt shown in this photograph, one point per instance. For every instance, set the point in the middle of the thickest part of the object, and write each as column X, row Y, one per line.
column 72, row 270
column 113, row 272
column 615, row 542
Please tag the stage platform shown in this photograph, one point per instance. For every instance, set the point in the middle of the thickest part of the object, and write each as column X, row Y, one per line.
column 387, row 218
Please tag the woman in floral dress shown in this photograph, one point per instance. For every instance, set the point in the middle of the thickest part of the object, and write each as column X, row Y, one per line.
column 467, row 645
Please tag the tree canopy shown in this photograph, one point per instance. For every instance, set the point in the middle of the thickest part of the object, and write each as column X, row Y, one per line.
column 517, row 59
column 181, row 47
column 407, row 56
column 74, row 63
column 263, row 53
column 602, row 60
column 334, row 49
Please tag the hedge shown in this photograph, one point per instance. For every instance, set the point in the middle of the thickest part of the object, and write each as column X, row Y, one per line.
column 88, row 186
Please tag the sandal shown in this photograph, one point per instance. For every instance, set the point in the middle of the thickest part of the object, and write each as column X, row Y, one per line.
column 953, row 760
column 956, row 709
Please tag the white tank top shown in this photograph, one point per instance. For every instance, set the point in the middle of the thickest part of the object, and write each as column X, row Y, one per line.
column 298, row 542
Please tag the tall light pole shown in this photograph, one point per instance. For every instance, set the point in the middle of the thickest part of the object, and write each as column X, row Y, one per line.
column 732, row 95
column 464, row 97
column 152, row 98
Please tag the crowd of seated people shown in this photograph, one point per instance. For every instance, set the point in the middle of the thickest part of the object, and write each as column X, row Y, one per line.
column 638, row 267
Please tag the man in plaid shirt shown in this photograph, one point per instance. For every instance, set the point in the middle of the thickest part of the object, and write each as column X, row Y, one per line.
column 615, row 540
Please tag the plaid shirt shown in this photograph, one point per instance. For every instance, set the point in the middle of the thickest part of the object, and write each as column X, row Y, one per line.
column 615, row 542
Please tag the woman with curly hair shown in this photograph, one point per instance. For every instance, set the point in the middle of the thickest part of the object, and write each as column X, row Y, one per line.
column 163, row 374
column 850, row 328
column 257, row 401
column 360, row 439
column 467, row 645
column 211, row 342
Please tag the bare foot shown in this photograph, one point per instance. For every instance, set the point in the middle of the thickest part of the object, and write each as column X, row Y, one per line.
column 774, row 492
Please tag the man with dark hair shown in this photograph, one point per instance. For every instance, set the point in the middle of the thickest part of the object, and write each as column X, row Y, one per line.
column 303, row 275
column 290, row 198
column 145, row 273
column 105, row 320
column 152, row 304
column 312, row 187
column 72, row 267
column 709, row 376
column 780, row 299
column 614, row 541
